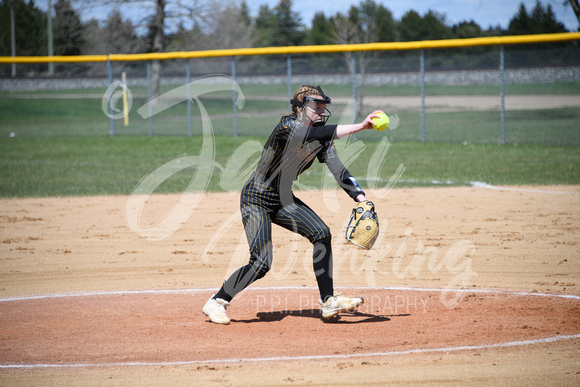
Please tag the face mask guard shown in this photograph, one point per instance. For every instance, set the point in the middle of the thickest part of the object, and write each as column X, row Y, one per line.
column 325, row 100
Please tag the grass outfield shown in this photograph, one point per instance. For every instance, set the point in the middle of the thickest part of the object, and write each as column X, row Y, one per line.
column 83, row 117
column 101, row 165
column 80, row 113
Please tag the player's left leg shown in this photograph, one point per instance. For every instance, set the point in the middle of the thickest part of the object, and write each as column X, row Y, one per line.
column 301, row 219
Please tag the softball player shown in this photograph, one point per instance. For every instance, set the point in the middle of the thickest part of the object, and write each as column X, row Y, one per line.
column 267, row 198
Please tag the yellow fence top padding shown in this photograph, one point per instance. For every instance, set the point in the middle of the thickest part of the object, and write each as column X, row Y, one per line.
column 387, row 46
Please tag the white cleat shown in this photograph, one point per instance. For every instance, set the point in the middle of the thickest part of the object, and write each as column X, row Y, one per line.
column 215, row 309
column 339, row 303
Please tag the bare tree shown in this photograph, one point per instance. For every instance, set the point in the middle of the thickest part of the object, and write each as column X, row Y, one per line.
column 226, row 29
column 348, row 32
column 162, row 15
column 367, row 22
column 229, row 30
column 157, row 28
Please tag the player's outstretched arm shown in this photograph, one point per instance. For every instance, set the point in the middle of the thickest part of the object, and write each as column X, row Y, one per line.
column 361, row 198
column 345, row 130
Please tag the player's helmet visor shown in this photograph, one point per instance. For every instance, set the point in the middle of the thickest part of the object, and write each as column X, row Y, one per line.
column 325, row 100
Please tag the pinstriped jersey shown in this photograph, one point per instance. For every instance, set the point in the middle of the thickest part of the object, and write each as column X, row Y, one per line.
column 290, row 150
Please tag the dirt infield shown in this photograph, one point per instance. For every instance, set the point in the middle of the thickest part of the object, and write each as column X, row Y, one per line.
column 448, row 103
column 465, row 285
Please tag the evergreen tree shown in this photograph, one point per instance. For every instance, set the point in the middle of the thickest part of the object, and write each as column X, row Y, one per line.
column 410, row 27
column 289, row 28
column 280, row 26
column 466, row 30
column 545, row 19
column 265, row 26
column 540, row 21
column 321, row 31
column 520, row 23
column 431, row 26
column 67, row 30
column 245, row 14
column 30, row 29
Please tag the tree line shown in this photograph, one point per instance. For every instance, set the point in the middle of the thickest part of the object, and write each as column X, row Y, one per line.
column 194, row 25
column 228, row 24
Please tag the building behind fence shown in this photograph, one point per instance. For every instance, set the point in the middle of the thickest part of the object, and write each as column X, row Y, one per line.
column 504, row 90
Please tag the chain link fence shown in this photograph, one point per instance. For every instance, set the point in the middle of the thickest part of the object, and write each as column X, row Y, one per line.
column 528, row 94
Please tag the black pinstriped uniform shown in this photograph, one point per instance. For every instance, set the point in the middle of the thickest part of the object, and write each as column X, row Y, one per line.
column 267, row 198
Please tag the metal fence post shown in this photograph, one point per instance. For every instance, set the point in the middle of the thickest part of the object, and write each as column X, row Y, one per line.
column 423, row 120
column 234, row 96
column 50, row 37
column 355, row 102
column 111, row 119
column 13, row 37
column 353, row 76
column 149, row 96
column 289, row 74
column 502, row 93
column 188, row 75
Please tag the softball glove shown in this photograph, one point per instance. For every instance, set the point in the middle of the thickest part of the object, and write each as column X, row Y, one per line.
column 363, row 226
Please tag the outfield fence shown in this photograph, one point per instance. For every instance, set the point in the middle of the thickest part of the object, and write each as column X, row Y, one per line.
column 502, row 90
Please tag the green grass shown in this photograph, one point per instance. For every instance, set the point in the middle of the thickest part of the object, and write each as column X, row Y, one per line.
column 101, row 165
column 84, row 117
column 61, row 146
column 58, row 113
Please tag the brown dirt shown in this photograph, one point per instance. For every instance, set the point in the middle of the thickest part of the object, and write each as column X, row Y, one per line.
column 124, row 300
column 451, row 103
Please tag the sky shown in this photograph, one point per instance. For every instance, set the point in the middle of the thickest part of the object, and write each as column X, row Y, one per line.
column 486, row 13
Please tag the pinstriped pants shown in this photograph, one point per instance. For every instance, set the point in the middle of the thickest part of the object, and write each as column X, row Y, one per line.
column 296, row 217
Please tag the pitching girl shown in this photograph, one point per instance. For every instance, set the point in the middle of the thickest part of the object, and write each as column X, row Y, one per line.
column 267, row 198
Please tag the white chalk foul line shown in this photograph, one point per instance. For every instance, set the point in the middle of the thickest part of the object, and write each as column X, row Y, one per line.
column 481, row 184
column 209, row 290
column 105, row 293
column 299, row 358
column 292, row 358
